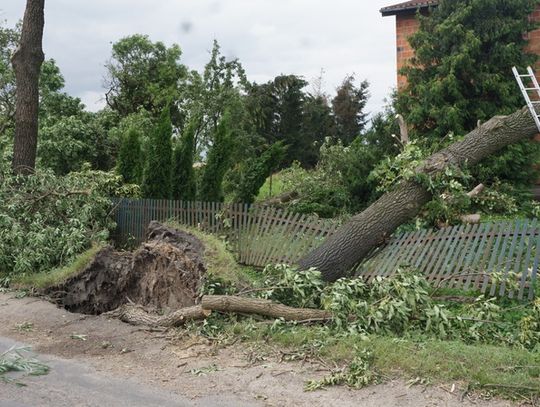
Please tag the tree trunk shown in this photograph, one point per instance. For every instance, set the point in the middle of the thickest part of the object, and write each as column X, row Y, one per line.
column 368, row 229
column 230, row 303
column 27, row 61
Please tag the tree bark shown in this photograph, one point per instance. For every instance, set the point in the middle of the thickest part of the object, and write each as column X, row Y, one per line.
column 368, row 229
column 136, row 315
column 26, row 61
column 267, row 308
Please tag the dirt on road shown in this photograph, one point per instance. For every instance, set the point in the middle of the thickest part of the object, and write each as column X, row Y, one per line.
column 175, row 362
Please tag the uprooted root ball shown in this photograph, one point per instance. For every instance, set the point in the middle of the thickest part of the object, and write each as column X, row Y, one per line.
column 165, row 272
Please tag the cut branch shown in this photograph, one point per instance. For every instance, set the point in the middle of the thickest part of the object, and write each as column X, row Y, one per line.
column 229, row 303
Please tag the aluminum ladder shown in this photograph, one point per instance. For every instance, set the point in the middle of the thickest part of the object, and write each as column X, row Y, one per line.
column 525, row 91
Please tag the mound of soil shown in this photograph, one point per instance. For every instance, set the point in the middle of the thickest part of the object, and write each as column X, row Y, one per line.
column 165, row 272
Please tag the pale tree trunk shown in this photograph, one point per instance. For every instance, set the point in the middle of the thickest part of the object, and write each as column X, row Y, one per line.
column 27, row 61
column 369, row 229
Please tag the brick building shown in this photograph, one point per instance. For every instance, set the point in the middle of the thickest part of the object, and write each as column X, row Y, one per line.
column 407, row 24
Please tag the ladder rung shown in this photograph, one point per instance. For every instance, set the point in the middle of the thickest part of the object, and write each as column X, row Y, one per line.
column 526, row 76
column 532, row 89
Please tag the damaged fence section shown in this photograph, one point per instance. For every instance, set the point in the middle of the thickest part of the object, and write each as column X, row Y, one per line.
column 496, row 258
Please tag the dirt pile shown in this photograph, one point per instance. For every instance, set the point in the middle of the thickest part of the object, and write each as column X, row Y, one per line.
column 165, row 272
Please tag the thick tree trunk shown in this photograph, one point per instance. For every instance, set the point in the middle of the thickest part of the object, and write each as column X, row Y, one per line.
column 368, row 229
column 27, row 61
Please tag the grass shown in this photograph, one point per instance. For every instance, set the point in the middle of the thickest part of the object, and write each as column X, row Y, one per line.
column 220, row 261
column 277, row 187
column 57, row 275
column 502, row 370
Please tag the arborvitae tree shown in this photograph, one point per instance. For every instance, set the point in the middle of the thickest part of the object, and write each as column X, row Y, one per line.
column 348, row 107
column 183, row 177
column 218, row 162
column 462, row 71
column 257, row 170
column 129, row 164
column 157, row 169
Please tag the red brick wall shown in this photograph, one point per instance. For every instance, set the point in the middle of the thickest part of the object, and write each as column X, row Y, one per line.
column 406, row 25
column 534, row 46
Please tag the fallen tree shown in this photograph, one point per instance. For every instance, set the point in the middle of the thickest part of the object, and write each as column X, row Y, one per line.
column 137, row 315
column 372, row 227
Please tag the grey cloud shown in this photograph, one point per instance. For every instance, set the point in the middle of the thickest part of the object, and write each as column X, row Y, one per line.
column 268, row 36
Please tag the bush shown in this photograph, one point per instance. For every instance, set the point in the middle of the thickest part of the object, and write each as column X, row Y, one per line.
column 46, row 221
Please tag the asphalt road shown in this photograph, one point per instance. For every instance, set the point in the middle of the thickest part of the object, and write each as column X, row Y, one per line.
column 70, row 383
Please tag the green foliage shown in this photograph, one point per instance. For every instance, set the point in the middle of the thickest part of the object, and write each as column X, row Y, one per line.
column 450, row 187
column 9, row 39
column 18, row 360
column 317, row 124
column 292, row 287
column 70, row 142
column 184, row 185
column 403, row 305
column 144, row 75
column 208, row 96
column 157, row 168
column 258, row 169
column 461, row 74
column 218, row 162
column 277, row 109
column 357, row 374
column 340, row 182
column 46, row 221
column 129, row 162
column 348, row 108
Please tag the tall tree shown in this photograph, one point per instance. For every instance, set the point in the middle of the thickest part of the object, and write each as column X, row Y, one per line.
column 144, row 74
column 348, row 106
column 27, row 61
column 183, row 176
column 317, row 125
column 157, row 169
column 218, row 162
column 209, row 95
column 277, row 109
column 129, row 164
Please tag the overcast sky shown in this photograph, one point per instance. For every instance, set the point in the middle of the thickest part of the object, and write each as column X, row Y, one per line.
column 269, row 37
